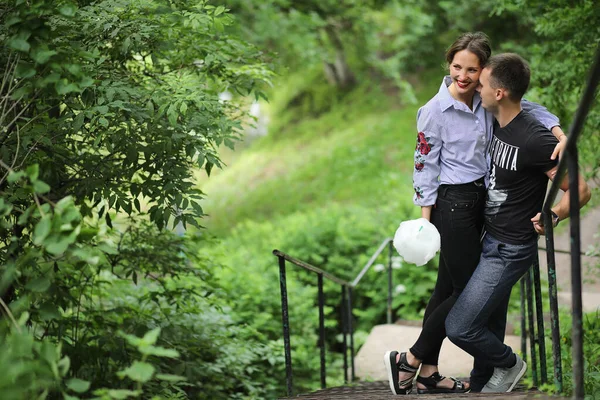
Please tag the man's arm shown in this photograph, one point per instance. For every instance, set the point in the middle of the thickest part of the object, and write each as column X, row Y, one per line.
column 561, row 209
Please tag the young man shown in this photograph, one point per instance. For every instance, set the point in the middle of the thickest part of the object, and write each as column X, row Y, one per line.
column 521, row 165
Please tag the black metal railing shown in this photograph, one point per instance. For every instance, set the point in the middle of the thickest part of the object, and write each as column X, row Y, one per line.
column 570, row 163
column 345, row 307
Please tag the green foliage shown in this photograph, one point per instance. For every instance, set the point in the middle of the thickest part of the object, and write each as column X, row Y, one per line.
column 32, row 368
column 119, row 88
column 591, row 354
column 337, row 239
column 358, row 153
column 107, row 109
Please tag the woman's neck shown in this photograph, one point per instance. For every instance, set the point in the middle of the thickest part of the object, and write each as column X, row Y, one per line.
column 466, row 98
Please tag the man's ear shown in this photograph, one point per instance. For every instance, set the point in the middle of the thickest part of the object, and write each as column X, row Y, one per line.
column 500, row 94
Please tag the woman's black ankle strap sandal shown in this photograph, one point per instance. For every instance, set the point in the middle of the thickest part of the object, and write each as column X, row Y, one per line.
column 394, row 368
column 431, row 385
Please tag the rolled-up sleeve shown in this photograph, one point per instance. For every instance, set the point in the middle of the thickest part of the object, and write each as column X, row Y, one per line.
column 427, row 159
column 541, row 113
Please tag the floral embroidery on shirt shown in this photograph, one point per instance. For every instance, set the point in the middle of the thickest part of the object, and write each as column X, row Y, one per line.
column 419, row 163
column 419, row 192
column 423, row 145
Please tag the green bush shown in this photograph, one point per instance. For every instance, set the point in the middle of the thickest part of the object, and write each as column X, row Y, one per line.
column 337, row 239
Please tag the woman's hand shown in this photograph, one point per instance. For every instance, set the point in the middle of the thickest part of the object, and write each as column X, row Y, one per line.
column 426, row 212
column 562, row 143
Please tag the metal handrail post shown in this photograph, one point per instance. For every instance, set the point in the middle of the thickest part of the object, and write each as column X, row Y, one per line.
column 553, row 298
column 533, row 361
column 523, row 321
column 344, row 330
column 322, row 330
column 539, row 313
column 351, row 332
column 286, row 326
column 573, row 168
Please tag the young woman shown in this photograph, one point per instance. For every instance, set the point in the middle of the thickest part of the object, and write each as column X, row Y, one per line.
column 450, row 179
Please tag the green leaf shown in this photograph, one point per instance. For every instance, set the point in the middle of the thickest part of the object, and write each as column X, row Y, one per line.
column 6, row 208
column 39, row 285
column 159, row 351
column 220, row 10
column 117, row 394
column 48, row 312
column 151, row 336
column 208, row 167
column 68, row 10
column 63, row 365
column 126, row 205
column 58, row 247
column 150, row 107
column 103, row 121
column 183, row 108
column 42, row 56
column 78, row 121
column 172, row 115
column 63, row 86
column 219, row 25
column 170, row 378
column 24, row 70
column 41, row 231
column 19, row 44
column 197, row 207
column 11, row 20
column 64, row 204
column 108, row 248
column 138, row 371
column 78, row 385
column 15, row 176
column 33, row 171
column 40, row 187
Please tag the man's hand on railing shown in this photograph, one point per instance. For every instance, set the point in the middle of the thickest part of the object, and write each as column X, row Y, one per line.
column 538, row 223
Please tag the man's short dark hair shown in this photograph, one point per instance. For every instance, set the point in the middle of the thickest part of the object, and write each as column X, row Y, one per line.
column 511, row 72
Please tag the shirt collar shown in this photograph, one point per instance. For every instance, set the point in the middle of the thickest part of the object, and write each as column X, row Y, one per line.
column 446, row 99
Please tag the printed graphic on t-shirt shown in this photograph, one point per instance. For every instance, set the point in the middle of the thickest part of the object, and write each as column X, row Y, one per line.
column 504, row 155
column 495, row 198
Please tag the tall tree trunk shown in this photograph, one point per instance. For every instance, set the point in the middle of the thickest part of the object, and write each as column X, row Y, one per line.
column 338, row 72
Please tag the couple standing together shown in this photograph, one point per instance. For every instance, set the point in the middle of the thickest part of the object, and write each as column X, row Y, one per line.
column 478, row 120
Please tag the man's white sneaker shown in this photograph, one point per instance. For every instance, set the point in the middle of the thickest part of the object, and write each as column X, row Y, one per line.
column 505, row 379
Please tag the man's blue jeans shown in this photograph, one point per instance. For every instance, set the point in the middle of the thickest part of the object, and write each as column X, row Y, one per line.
column 473, row 321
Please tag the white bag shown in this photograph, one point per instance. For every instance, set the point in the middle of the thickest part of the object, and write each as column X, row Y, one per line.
column 417, row 241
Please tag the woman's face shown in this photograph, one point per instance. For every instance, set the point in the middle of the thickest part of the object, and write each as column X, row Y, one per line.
column 465, row 69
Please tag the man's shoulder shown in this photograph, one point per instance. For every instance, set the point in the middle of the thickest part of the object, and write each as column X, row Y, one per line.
column 530, row 124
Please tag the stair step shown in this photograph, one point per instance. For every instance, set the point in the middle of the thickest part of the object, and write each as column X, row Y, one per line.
column 369, row 360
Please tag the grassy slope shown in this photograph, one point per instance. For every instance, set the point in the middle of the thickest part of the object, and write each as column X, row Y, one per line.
column 359, row 152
